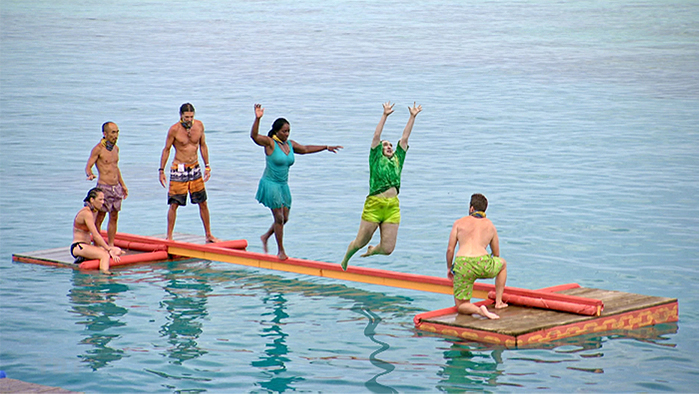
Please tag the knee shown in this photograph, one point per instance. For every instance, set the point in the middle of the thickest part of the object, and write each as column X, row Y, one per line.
column 389, row 249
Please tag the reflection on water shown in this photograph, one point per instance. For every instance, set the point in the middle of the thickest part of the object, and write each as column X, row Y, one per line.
column 469, row 364
column 370, row 332
column 272, row 363
column 93, row 297
column 465, row 368
column 185, row 302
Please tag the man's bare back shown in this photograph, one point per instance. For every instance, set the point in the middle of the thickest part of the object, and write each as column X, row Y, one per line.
column 474, row 235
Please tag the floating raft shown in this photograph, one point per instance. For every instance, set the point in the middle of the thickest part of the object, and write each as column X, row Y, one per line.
column 524, row 326
column 533, row 317
column 153, row 251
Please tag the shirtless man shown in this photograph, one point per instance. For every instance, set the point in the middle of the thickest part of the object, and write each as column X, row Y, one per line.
column 474, row 233
column 187, row 137
column 105, row 155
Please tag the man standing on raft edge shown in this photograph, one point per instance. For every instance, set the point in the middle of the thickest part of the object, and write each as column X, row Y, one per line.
column 474, row 233
column 381, row 209
column 187, row 137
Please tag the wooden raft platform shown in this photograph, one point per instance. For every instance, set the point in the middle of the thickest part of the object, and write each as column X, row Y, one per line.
column 61, row 256
column 526, row 327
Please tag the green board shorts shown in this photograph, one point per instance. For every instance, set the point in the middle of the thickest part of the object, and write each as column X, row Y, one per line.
column 381, row 210
column 468, row 269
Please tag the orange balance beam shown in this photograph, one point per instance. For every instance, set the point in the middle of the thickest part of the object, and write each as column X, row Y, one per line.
column 232, row 244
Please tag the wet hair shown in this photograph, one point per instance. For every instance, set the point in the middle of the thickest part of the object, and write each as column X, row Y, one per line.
column 104, row 126
column 479, row 202
column 92, row 193
column 276, row 126
column 187, row 107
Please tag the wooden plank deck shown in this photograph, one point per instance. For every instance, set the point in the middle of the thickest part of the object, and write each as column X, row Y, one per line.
column 520, row 326
column 62, row 257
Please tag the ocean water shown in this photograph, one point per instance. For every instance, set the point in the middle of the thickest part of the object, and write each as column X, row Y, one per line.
column 578, row 120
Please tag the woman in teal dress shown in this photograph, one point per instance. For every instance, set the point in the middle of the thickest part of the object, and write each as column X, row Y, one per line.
column 273, row 189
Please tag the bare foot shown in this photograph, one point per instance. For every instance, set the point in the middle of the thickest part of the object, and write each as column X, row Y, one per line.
column 264, row 239
column 106, row 272
column 212, row 239
column 490, row 315
column 282, row 256
column 370, row 249
column 501, row 305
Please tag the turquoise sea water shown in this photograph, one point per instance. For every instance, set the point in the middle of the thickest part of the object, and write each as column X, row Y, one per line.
column 578, row 120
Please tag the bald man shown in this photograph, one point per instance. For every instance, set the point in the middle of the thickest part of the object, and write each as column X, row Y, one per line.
column 105, row 155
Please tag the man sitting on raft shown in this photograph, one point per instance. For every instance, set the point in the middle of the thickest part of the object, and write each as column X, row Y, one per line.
column 474, row 233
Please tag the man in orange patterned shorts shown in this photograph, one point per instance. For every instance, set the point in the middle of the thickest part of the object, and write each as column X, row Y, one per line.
column 187, row 137
column 474, row 233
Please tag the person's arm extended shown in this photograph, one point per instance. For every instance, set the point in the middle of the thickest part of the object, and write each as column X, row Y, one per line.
column 377, row 138
column 409, row 126
column 304, row 149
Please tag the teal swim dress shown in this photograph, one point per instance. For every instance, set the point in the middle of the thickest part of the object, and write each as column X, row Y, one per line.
column 273, row 190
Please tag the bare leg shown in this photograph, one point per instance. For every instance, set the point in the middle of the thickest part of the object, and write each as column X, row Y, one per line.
column 500, row 285
column 467, row 308
column 281, row 216
column 267, row 236
column 387, row 243
column 172, row 215
column 204, row 215
column 91, row 252
column 364, row 235
column 112, row 227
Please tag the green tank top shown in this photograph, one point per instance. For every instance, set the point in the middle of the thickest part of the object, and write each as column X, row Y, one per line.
column 385, row 173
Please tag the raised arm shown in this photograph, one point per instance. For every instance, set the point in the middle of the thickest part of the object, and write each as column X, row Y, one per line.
column 388, row 109
column 164, row 155
column 261, row 140
column 409, row 126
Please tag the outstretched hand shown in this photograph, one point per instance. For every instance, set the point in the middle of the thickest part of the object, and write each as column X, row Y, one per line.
column 333, row 149
column 415, row 110
column 259, row 111
column 388, row 108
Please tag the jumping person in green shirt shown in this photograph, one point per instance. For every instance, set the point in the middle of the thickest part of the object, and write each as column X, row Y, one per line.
column 381, row 208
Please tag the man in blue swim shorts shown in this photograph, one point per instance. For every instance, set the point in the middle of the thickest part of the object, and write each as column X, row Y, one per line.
column 474, row 233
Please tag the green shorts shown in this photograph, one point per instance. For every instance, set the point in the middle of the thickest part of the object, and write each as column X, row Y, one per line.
column 468, row 269
column 381, row 210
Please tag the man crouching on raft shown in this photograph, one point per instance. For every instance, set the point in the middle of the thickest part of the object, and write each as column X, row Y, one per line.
column 474, row 233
